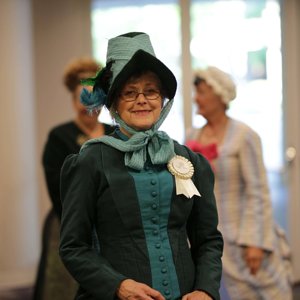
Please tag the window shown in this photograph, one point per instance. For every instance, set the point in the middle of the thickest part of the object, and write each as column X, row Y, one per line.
column 243, row 39
column 161, row 20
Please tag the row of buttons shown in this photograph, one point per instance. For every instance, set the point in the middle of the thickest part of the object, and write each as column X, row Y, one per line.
column 155, row 232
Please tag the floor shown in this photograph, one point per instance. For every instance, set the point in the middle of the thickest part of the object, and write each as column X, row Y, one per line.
column 26, row 294
column 17, row 294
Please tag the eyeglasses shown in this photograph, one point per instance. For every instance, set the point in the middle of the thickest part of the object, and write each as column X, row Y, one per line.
column 132, row 95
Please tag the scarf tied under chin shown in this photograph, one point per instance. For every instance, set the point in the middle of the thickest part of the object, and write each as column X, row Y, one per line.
column 157, row 144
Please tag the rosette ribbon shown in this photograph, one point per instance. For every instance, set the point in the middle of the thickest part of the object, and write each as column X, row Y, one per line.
column 183, row 171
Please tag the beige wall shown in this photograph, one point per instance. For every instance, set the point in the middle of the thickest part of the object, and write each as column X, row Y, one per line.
column 62, row 31
column 18, row 189
column 291, row 102
column 38, row 38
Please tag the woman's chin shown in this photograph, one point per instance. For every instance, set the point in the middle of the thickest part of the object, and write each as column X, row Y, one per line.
column 142, row 127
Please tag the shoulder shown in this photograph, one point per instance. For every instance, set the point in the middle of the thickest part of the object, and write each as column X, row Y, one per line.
column 244, row 131
column 90, row 160
column 91, row 151
column 197, row 159
column 239, row 125
column 203, row 176
column 87, row 159
column 63, row 126
column 96, row 151
column 109, row 129
column 191, row 133
column 63, row 139
column 185, row 151
column 63, row 129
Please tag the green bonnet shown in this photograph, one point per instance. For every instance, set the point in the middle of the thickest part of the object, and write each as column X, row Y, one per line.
column 127, row 54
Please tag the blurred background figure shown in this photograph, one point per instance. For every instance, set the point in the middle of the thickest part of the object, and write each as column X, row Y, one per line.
column 53, row 281
column 256, row 259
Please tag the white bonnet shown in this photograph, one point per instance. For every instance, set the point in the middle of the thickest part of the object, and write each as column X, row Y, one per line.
column 221, row 82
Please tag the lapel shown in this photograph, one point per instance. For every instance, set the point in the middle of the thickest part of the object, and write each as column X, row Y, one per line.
column 124, row 194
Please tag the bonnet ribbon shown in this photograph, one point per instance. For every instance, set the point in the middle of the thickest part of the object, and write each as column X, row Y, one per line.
column 158, row 144
column 160, row 148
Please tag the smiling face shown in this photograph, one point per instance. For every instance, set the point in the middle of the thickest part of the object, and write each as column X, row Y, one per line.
column 208, row 102
column 141, row 113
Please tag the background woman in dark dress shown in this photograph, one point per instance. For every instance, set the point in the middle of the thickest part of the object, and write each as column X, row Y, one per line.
column 52, row 281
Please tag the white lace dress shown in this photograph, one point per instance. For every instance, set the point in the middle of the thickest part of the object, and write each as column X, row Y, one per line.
column 246, row 217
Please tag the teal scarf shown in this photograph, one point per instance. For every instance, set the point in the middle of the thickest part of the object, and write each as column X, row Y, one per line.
column 157, row 144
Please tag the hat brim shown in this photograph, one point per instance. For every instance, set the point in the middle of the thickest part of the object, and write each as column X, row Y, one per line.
column 144, row 61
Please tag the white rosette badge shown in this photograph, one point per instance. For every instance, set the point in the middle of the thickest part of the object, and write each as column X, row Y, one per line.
column 183, row 171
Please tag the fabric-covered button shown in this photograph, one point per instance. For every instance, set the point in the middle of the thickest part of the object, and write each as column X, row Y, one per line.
column 163, row 270
column 167, row 292
column 154, row 220
column 161, row 258
column 154, row 206
column 165, row 282
column 154, row 194
column 155, row 232
column 157, row 245
column 153, row 182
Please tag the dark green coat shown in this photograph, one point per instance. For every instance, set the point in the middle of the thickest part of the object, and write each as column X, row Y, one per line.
column 97, row 190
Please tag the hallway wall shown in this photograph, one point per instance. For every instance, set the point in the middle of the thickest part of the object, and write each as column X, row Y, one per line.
column 38, row 38
column 291, row 101
column 62, row 31
column 19, row 228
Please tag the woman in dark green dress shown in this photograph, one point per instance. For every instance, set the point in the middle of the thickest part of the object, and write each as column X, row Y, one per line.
column 149, row 198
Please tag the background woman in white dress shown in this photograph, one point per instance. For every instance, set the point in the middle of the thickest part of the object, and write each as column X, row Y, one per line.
column 256, row 256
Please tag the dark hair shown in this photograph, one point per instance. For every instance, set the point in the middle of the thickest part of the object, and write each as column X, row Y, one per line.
column 78, row 69
column 198, row 80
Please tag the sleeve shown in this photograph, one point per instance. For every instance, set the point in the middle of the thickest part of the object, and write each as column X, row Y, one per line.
column 256, row 228
column 53, row 157
column 79, row 191
column 205, row 238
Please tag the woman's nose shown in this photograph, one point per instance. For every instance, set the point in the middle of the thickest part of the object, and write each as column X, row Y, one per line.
column 196, row 99
column 140, row 98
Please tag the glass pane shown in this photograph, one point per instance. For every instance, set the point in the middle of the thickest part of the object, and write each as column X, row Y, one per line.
column 146, row 17
column 244, row 39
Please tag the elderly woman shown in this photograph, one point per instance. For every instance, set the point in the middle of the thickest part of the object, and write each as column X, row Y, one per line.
column 255, row 260
column 149, row 199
